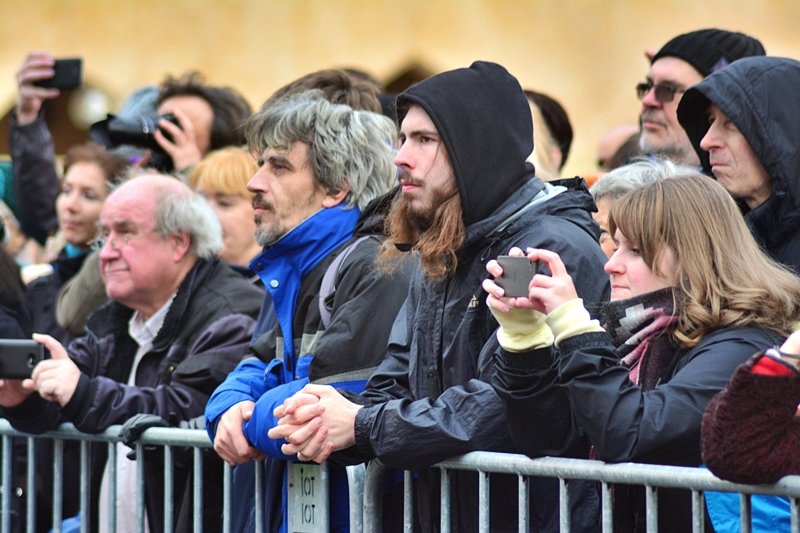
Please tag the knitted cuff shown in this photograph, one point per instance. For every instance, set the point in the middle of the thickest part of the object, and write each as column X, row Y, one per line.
column 570, row 319
column 522, row 330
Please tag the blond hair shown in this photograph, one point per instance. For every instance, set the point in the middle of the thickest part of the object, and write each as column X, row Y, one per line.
column 224, row 171
column 722, row 277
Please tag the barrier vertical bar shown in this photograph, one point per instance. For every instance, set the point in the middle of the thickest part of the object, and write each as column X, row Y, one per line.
column 408, row 502
column 227, row 473
column 608, row 507
column 698, row 512
column 197, row 479
column 8, row 485
column 112, row 486
column 651, row 508
column 445, row 500
column 484, row 514
column 355, row 489
column 373, row 484
column 169, row 490
column 563, row 505
column 140, row 488
column 745, row 515
column 30, row 514
column 259, row 474
column 58, row 484
column 524, row 502
column 84, row 486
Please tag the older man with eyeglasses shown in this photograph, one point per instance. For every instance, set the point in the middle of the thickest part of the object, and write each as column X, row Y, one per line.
column 176, row 324
column 682, row 62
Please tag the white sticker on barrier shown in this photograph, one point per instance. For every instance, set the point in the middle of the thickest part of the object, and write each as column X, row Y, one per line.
column 308, row 498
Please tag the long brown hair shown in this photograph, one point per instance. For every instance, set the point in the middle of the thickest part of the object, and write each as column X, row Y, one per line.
column 437, row 246
column 722, row 277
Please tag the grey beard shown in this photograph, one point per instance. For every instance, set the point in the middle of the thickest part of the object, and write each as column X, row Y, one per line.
column 267, row 236
column 681, row 155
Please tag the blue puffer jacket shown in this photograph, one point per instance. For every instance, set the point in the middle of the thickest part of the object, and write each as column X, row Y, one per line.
column 300, row 349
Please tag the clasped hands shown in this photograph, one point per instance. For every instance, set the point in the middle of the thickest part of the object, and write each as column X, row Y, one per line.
column 315, row 422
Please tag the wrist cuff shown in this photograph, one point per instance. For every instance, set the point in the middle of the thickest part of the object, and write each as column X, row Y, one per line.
column 570, row 319
column 538, row 337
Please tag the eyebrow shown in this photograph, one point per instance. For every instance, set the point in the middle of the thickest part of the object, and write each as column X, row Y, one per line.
column 119, row 225
column 420, row 132
column 667, row 81
column 278, row 159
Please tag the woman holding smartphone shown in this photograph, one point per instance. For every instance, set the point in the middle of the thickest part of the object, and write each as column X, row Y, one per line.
column 692, row 297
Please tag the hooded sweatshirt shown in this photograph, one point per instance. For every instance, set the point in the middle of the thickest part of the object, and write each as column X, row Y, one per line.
column 431, row 397
column 759, row 95
column 476, row 111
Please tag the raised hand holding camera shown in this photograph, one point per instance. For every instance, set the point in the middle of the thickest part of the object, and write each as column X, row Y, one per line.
column 176, row 136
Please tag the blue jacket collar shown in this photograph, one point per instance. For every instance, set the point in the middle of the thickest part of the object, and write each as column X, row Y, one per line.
column 283, row 264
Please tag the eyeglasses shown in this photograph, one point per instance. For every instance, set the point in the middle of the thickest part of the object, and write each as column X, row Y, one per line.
column 664, row 93
column 121, row 239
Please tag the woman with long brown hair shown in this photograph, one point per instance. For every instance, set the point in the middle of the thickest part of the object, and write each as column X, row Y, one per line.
column 692, row 297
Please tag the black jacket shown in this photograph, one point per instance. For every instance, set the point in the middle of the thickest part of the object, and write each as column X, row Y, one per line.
column 760, row 96
column 206, row 330
column 35, row 177
column 582, row 398
column 430, row 398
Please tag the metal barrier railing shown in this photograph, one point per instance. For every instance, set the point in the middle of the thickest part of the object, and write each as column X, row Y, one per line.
column 166, row 437
column 652, row 477
column 366, row 485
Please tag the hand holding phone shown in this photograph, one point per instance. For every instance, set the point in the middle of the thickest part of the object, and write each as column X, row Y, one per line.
column 68, row 75
column 518, row 271
column 18, row 357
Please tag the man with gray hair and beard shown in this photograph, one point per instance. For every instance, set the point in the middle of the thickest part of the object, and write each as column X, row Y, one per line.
column 320, row 201
column 166, row 339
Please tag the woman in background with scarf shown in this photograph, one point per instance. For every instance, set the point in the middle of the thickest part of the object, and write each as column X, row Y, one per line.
column 692, row 297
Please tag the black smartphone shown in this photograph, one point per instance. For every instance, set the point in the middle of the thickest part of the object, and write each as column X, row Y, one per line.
column 517, row 275
column 68, row 74
column 18, row 357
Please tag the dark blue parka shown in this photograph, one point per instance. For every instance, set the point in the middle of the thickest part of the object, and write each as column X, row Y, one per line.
column 759, row 95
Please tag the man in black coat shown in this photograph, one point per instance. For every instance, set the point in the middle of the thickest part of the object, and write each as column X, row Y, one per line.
column 176, row 324
column 468, row 195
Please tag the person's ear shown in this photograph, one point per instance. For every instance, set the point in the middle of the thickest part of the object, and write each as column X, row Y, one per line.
column 182, row 242
column 334, row 198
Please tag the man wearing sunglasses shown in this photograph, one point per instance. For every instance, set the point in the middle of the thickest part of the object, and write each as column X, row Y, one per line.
column 682, row 62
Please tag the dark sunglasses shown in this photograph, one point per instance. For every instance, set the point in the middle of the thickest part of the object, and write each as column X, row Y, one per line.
column 664, row 93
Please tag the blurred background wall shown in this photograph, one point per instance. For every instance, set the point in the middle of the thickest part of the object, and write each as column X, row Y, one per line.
column 587, row 54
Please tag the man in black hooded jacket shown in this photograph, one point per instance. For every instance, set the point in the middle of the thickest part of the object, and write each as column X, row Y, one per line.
column 468, row 195
column 743, row 123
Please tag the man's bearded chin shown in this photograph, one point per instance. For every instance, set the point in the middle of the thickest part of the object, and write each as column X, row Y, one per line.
column 419, row 220
column 267, row 235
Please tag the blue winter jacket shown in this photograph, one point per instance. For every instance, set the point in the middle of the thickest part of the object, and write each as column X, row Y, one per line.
column 300, row 349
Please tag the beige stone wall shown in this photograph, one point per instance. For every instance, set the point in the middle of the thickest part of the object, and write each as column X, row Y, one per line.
column 588, row 54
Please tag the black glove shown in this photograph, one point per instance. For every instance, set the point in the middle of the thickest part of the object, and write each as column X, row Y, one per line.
column 133, row 428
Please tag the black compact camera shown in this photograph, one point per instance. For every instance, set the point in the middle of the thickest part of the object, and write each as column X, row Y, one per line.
column 138, row 132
